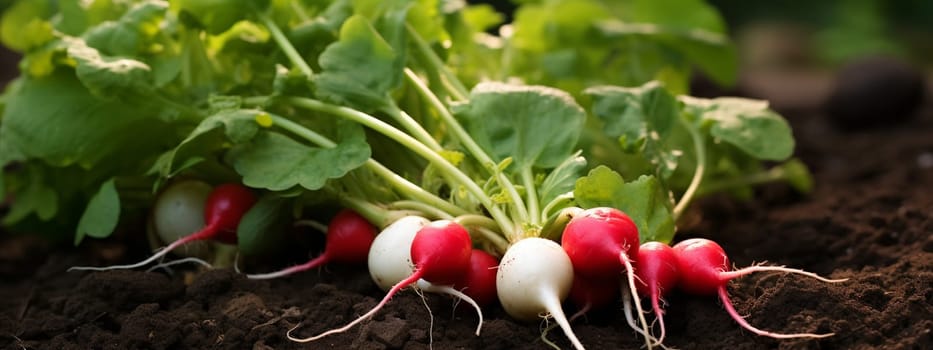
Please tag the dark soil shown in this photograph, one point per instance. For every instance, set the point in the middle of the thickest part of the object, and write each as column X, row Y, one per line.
column 869, row 219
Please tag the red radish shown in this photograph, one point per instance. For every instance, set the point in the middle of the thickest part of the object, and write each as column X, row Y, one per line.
column 349, row 237
column 441, row 254
column 657, row 272
column 705, row 270
column 225, row 206
column 601, row 243
column 480, row 281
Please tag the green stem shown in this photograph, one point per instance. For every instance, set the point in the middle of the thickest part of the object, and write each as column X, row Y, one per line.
column 528, row 180
column 554, row 227
column 453, row 84
column 377, row 215
column 700, row 150
column 413, row 128
column 425, row 208
column 405, row 187
column 557, row 201
column 299, row 11
column 282, row 41
column 771, row 175
column 412, row 144
column 462, row 136
column 411, row 190
column 486, row 228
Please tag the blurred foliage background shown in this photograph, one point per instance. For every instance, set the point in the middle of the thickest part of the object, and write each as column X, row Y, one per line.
column 781, row 33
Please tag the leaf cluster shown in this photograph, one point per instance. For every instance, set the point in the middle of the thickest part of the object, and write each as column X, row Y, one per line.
column 364, row 104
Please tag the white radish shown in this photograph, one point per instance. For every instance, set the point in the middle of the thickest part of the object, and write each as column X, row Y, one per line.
column 534, row 277
column 389, row 257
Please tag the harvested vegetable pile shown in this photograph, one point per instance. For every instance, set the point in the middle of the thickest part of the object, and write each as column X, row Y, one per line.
column 444, row 148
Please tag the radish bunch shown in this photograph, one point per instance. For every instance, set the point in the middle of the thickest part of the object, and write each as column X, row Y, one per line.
column 602, row 244
column 700, row 267
column 439, row 256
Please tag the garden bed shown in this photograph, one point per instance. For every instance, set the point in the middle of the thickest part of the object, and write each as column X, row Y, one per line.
column 869, row 219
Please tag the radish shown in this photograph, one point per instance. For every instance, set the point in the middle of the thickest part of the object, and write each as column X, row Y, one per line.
column 389, row 259
column 225, row 206
column 349, row 237
column 601, row 243
column 704, row 270
column 657, row 273
column 441, row 252
column 535, row 275
column 480, row 281
column 179, row 210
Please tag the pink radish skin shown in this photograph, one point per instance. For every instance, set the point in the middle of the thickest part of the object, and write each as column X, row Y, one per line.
column 441, row 254
column 223, row 211
column 480, row 281
column 657, row 271
column 705, row 270
column 349, row 237
column 601, row 243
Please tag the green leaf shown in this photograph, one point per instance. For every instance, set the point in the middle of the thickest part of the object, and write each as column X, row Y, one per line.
column 276, row 162
column 263, row 228
column 216, row 16
column 32, row 196
column 23, row 25
column 562, row 179
column 102, row 214
column 748, row 124
column 56, row 119
column 238, row 126
column 677, row 14
column 128, row 35
column 693, row 28
column 641, row 118
column 359, row 69
column 644, row 200
column 537, row 126
column 108, row 77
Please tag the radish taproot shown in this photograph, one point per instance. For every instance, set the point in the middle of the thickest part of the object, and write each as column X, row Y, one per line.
column 657, row 273
column 534, row 277
column 705, row 270
column 223, row 210
column 349, row 237
column 601, row 243
column 440, row 252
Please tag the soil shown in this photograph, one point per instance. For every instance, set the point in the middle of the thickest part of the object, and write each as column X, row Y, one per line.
column 869, row 219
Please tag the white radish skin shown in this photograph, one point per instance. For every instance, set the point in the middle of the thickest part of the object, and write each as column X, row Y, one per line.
column 534, row 276
column 177, row 212
column 447, row 241
column 390, row 260
column 389, row 257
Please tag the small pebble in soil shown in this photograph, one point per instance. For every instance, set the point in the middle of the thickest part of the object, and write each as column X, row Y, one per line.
column 925, row 160
column 875, row 91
